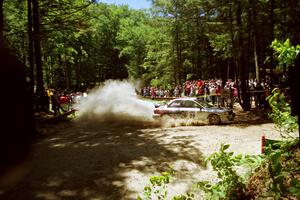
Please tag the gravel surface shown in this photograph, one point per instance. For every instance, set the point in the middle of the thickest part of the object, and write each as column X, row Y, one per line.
column 113, row 161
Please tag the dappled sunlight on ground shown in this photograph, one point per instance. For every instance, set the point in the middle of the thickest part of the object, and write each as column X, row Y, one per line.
column 114, row 161
column 106, row 159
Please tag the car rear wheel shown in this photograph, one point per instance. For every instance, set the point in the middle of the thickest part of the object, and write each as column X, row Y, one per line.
column 214, row 119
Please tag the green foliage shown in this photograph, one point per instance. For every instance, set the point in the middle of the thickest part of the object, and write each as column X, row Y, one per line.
column 281, row 112
column 233, row 173
column 158, row 63
column 285, row 52
column 222, row 46
column 190, row 77
column 132, row 39
column 231, row 185
column 276, row 174
column 87, row 41
column 281, row 164
column 295, row 187
column 157, row 188
column 156, row 82
column 188, row 196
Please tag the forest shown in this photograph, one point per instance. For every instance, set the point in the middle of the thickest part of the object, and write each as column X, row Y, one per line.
column 73, row 45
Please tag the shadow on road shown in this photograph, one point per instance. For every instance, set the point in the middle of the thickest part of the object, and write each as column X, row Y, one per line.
column 99, row 161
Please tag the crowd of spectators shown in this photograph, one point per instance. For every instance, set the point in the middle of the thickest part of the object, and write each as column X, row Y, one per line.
column 57, row 102
column 216, row 91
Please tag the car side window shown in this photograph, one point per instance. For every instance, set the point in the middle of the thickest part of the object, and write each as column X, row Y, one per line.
column 189, row 104
column 175, row 104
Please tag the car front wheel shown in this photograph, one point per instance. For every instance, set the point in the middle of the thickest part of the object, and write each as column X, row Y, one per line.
column 214, row 119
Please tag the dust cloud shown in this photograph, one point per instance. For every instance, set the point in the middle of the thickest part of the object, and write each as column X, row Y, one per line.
column 115, row 102
column 167, row 122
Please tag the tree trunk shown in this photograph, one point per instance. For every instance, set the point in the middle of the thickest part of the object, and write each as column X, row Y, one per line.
column 198, row 47
column 77, row 71
column 272, row 38
column 248, row 60
column 30, row 45
column 254, row 33
column 255, row 57
column 241, row 64
column 1, row 21
column 295, row 15
column 67, row 73
column 37, row 48
column 228, row 68
column 174, row 67
column 294, row 71
column 233, row 62
column 178, row 56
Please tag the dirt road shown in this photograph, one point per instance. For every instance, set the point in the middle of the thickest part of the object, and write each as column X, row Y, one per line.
column 110, row 161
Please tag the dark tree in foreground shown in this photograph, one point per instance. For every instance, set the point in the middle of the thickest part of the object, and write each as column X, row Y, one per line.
column 17, row 122
column 30, row 44
column 1, row 19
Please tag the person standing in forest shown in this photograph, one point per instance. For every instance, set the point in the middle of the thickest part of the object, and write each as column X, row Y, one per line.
column 56, row 107
column 213, row 93
column 258, row 94
column 218, row 93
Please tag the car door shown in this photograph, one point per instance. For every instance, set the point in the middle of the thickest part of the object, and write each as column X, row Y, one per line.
column 173, row 108
column 190, row 109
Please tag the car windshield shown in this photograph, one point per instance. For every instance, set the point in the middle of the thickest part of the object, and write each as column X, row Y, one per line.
column 204, row 104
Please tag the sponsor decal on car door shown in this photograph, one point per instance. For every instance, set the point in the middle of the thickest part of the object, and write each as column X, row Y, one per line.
column 189, row 109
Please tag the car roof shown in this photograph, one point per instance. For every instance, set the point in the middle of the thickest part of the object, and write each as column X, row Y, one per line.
column 185, row 98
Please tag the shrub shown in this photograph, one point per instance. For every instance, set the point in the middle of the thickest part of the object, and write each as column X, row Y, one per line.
column 281, row 112
column 231, row 185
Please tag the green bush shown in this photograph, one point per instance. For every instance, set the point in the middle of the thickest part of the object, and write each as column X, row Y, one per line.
column 280, row 169
column 285, row 52
column 231, row 185
column 281, row 112
column 158, row 186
